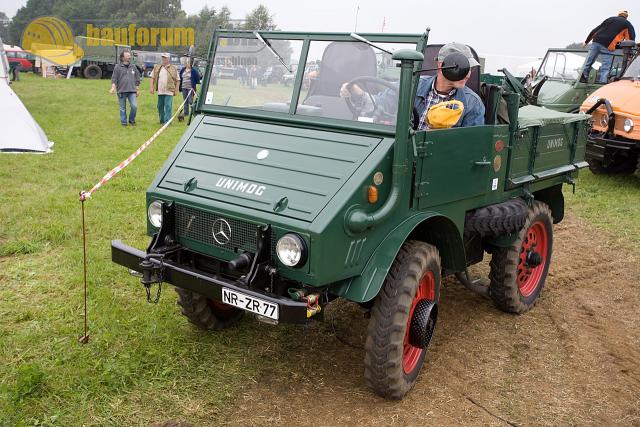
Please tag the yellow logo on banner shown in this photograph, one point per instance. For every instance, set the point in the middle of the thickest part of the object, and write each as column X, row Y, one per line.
column 51, row 38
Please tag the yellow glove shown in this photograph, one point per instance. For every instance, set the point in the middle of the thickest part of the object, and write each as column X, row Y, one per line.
column 445, row 114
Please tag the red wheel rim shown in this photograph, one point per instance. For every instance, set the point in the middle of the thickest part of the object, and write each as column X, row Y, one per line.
column 411, row 355
column 536, row 239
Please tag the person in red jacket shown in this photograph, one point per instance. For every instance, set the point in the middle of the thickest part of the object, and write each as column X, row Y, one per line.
column 605, row 38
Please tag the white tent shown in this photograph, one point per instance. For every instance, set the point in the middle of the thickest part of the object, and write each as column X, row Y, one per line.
column 20, row 132
column 4, row 64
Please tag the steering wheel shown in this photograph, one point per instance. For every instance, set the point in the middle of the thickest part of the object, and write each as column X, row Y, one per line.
column 363, row 82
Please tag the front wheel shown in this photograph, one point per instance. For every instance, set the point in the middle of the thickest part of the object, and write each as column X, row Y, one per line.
column 518, row 272
column 206, row 313
column 403, row 321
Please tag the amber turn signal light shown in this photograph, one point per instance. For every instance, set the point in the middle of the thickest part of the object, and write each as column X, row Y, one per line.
column 372, row 194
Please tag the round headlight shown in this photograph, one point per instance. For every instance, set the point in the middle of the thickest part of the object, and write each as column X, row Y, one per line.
column 291, row 250
column 155, row 213
column 628, row 125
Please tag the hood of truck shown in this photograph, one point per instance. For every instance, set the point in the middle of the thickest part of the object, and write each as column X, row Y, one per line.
column 552, row 91
column 624, row 96
column 289, row 171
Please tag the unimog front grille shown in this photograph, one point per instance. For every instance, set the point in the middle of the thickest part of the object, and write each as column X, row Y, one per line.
column 197, row 225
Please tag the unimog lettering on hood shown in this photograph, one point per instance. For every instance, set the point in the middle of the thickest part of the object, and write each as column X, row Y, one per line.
column 241, row 186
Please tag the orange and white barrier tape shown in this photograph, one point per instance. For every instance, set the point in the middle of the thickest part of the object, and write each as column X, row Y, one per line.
column 87, row 194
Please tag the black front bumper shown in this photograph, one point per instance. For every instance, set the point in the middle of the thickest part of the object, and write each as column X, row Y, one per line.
column 601, row 145
column 203, row 283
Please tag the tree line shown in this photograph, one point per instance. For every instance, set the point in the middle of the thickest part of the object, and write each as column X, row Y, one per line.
column 142, row 13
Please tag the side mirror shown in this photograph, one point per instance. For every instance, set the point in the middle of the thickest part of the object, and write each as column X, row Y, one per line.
column 455, row 67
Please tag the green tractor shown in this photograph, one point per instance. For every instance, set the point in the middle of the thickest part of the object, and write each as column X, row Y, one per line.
column 280, row 199
column 557, row 83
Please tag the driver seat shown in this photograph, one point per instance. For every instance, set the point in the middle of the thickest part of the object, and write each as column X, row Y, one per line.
column 341, row 62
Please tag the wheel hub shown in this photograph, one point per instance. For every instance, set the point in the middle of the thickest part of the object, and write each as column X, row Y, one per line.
column 423, row 323
column 533, row 259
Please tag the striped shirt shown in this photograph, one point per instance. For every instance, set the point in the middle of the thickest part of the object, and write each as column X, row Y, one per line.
column 433, row 97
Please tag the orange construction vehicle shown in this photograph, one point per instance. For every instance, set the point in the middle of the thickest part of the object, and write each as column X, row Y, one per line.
column 613, row 144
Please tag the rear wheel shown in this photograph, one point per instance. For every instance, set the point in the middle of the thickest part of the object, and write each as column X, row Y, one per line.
column 403, row 321
column 92, row 71
column 207, row 313
column 518, row 272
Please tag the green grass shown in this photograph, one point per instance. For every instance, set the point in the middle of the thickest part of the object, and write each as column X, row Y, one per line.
column 144, row 363
column 243, row 96
column 610, row 202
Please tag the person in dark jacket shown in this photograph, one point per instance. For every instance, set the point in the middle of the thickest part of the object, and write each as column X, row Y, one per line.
column 604, row 39
column 125, row 80
column 189, row 79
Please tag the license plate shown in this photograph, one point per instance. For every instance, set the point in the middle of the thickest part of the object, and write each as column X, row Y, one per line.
column 249, row 303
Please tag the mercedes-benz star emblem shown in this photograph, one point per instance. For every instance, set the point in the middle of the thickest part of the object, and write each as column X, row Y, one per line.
column 221, row 231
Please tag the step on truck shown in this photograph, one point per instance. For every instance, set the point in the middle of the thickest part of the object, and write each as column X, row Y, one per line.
column 280, row 199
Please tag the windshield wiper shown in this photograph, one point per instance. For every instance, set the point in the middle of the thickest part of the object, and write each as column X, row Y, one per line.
column 276, row 54
column 363, row 40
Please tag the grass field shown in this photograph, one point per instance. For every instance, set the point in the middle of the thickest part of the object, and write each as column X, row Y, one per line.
column 144, row 363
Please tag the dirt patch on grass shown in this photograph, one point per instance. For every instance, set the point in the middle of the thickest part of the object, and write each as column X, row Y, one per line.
column 573, row 359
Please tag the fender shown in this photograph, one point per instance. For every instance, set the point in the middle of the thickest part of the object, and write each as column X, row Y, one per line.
column 430, row 227
column 553, row 197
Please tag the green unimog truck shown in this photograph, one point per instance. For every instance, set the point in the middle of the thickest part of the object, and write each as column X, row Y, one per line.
column 279, row 199
column 558, row 84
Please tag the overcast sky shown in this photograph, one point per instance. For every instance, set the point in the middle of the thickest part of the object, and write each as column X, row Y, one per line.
column 506, row 27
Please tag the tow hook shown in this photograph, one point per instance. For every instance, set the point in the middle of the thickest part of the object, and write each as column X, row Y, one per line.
column 312, row 300
column 152, row 273
column 533, row 259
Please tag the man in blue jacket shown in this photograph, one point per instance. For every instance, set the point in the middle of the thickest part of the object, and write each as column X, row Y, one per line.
column 435, row 89
column 605, row 38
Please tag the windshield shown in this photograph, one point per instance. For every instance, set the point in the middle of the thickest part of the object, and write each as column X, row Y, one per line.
column 564, row 65
column 247, row 74
column 633, row 70
column 243, row 73
column 568, row 66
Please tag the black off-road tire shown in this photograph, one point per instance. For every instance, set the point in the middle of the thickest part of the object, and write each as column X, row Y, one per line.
column 92, row 71
column 384, row 370
column 205, row 313
column 496, row 220
column 514, row 287
column 596, row 167
column 637, row 171
column 619, row 165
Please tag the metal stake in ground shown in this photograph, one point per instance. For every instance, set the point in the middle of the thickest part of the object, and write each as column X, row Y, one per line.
column 84, row 195
column 85, row 338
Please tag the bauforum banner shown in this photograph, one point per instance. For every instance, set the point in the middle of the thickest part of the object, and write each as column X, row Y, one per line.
column 52, row 38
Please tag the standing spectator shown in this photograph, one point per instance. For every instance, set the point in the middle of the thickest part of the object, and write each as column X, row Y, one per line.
column 605, row 38
column 253, row 77
column 15, row 66
column 164, row 81
column 189, row 79
column 125, row 80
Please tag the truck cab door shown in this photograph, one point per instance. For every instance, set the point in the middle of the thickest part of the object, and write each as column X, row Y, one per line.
column 453, row 164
